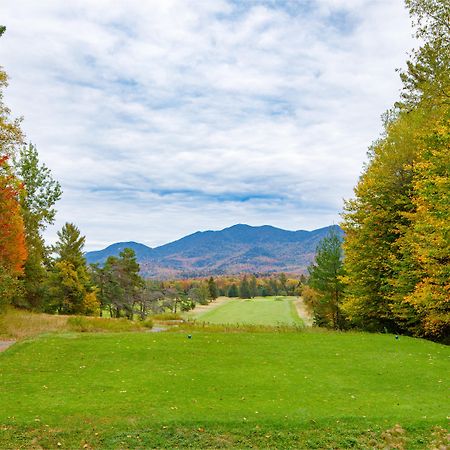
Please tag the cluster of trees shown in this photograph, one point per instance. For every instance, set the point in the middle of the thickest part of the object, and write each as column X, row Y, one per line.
column 257, row 285
column 33, row 275
column 397, row 228
column 396, row 271
column 124, row 293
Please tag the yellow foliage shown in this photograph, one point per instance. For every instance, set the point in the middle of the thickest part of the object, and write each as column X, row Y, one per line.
column 91, row 304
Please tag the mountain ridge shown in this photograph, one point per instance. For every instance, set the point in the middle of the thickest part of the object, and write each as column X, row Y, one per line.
column 237, row 249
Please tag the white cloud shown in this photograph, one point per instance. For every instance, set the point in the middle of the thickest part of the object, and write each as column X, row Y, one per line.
column 161, row 118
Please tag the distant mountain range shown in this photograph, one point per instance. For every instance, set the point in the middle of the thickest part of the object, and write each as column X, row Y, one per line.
column 234, row 250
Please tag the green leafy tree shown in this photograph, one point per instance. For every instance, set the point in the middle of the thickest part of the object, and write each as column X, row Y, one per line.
column 325, row 278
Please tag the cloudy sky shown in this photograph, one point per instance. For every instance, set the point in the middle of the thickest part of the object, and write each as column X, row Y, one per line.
column 164, row 117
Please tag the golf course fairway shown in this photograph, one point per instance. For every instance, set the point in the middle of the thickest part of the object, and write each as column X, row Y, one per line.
column 241, row 390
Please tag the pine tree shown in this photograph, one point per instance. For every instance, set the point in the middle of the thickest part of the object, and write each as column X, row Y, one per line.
column 244, row 288
column 37, row 201
column 325, row 278
column 212, row 288
column 69, row 287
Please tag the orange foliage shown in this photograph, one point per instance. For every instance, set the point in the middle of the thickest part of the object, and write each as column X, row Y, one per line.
column 13, row 251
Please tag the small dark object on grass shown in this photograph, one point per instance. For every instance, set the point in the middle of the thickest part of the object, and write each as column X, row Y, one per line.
column 396, row 337
column 189, row 336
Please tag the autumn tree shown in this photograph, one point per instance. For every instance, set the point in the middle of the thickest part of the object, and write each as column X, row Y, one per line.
column 12, row 235
column 12, row 239
column 397, row 242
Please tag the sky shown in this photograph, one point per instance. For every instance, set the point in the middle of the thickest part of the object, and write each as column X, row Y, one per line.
column 164, row 117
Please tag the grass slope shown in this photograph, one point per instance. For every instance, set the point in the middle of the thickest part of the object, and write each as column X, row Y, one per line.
column 257, row 311
column 284, row 390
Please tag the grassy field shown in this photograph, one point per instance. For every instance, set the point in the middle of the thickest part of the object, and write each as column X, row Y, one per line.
column 165, row 390
column 257, row 311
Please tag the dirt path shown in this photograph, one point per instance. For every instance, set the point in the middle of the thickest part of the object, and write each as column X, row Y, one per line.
column 5, row 344
column 303, row 312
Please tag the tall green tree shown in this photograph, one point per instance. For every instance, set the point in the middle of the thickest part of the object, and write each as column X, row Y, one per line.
column 244, row 288
column 233, row 291
column 69, row 287
column 212, row 288
column 40, row 193
column 253, row 287
column 325, row 277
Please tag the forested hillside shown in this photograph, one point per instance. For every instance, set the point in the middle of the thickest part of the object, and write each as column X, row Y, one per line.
column 237, row 249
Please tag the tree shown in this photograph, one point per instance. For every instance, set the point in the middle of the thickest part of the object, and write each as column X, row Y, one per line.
column 13, row 252
column 11, row 135
column 233, row 291
column 244, row 288
column 69, row 287
column 40, row 193
column 12, row 239
column 212, row 288
column 325, row 278
column 253, row 287
column 120, row 287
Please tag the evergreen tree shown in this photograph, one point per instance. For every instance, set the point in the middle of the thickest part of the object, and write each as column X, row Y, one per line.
column 212, row 288
column 233, row 291
column 119, row 283
column 244, row 288
column 253, row 287
column 40, row 194
column 325, row 278
column 69, row 287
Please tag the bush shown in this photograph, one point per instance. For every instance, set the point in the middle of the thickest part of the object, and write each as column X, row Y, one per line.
column 167, row 316
column 99, row 324
column 147, row 323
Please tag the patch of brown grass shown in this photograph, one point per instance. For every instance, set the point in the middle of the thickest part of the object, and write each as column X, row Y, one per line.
column 17, row 324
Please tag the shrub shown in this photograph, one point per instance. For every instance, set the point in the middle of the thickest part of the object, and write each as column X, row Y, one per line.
column 167, row 316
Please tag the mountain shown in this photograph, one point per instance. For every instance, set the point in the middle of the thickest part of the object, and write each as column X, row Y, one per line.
column 237, row 249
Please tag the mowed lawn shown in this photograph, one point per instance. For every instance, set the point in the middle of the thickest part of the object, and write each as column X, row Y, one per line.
column 165, row 390
column 256, row 311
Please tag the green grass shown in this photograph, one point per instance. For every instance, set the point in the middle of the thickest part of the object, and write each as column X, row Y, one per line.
column 283, row 390
column 257, row 311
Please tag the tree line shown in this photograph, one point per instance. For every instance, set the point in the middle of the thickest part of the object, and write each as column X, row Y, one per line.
column 395, row 274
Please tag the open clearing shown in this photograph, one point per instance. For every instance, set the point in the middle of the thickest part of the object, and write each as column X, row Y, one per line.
column 256, row 311
column 284, row 390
